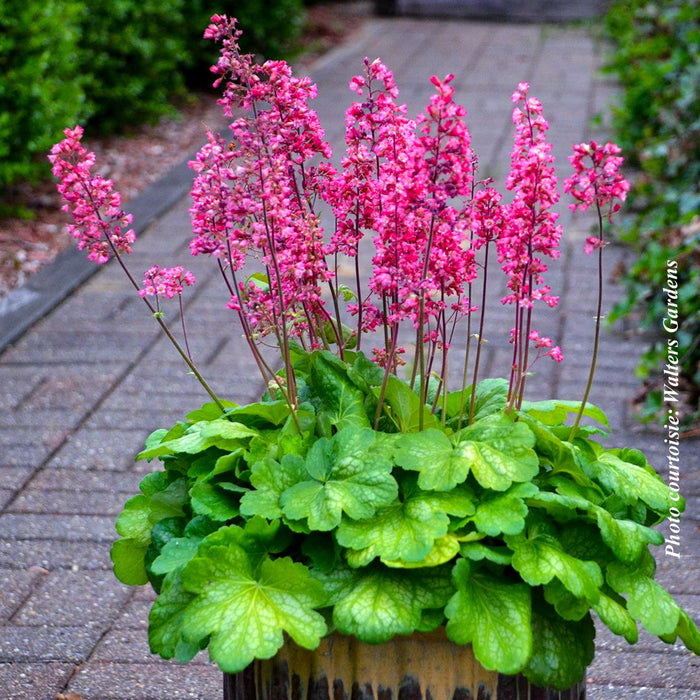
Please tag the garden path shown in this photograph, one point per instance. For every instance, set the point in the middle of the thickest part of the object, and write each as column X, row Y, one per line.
column 85, row 385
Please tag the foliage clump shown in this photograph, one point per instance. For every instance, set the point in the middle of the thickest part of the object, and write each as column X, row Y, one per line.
column 657, row 59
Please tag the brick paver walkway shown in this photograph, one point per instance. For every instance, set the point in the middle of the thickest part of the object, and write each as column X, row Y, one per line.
column 84, row 387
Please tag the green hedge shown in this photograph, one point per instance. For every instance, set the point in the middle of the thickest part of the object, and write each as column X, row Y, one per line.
column 41, row 89
column 657, row 60
column 111, row 63
column 132, row 54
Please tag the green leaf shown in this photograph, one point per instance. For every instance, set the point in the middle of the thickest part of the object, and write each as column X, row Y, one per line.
column 216, row 503
column 259, row 415
column 177, row 551
column 128, row 555
column 562, row 649
column 493, row 616
column 375, row 603
column 404, row 408
column 222, row 433
column 341, row 401
column 616, row 616
column 504, row 513
column 270, row 480
column 165, row 621
column 209, row 411
column 562, row 457
column 687, row 631
column 499, row 451
column 567, row 605
column 257, row 537
column 491, row 397
column 631, row 482
column 625, row 538
column 540, row 558
column 477, row 551
column 431, row 453
column 444, row 549
column 647, row 601
column 402, row 531
column 161, row 497
column 246, row 610
column 350, row 473
column 555, row 411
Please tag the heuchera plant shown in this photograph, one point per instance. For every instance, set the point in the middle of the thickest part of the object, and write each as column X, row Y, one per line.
column 362, row 494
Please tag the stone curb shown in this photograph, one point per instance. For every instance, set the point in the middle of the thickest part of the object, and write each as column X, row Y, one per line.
column 21, row 308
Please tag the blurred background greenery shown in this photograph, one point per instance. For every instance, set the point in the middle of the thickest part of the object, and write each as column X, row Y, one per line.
column 113, row 64
column 656, row 60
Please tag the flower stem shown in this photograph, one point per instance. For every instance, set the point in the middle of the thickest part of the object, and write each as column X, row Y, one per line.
column 596, row 338
column 480, row 339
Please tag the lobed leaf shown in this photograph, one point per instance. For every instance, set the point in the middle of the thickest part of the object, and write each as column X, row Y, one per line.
column 498, row 451
column 376, row 603
column 245, row 610
column 540, row 557
column 494, row 616
column 348, row 474
column 562, row 649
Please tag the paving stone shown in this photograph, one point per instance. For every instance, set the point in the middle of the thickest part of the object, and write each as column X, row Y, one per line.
column 64, row 502
column 612, row 691
column 670, row 669
column 34, row 681
column 58, row 381
column 130, row 646
column 47, row 643
column 134, row 616
column 5, row 497
column 13, row 477
column 57, row 527
column 55, row 554
column 50, row 479
column 100, row 449
column 116, row 681
column 16, row 586
column 64, row 597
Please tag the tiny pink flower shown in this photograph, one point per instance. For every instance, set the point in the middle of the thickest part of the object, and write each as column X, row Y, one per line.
column 166, row 282
column 593, row 243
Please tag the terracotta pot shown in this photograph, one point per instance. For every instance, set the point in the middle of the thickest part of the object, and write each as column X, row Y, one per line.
column 417, row 667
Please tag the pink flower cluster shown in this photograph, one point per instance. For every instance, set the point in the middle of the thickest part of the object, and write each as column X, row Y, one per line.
column 597, row 178
column 532, row 230
column 253, row 196
column 166, row 282
column 99, row 223
column 409, row 183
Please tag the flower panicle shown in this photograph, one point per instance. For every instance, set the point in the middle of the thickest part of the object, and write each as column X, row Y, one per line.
column 597, row 178
column 100, row 225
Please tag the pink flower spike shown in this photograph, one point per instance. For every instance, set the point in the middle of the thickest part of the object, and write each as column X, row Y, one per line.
column 98, row 221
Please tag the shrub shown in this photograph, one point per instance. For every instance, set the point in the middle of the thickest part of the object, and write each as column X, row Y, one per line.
column 132, row 52
column 42, row 88
column 657, row 59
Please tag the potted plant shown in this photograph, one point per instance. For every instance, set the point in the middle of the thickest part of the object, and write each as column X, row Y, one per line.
column 363, row 500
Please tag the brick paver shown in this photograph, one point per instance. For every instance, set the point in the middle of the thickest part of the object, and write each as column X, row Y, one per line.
column 84, row 386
